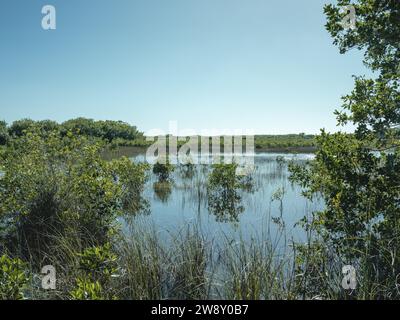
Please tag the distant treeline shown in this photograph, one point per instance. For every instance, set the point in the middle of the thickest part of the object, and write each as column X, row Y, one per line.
column 285, row 141
column 119, row 133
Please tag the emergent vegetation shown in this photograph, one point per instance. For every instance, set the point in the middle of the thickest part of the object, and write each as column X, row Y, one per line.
column 60, row 202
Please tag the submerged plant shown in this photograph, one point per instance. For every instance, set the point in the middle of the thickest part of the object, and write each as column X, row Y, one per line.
column 162, row 190
column 163, row 169
column 224, row 192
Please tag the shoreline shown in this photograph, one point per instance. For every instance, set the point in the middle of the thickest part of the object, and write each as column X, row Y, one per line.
column 131, row 151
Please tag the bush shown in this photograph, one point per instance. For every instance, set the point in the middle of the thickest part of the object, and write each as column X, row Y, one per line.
column 223, row 189
column 54, row 185
column 13, row 278
column 87, row 290
column 163, row 169
column 98, row 266
column 4, row 137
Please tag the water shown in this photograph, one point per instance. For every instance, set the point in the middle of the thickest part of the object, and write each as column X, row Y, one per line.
column 184, row 202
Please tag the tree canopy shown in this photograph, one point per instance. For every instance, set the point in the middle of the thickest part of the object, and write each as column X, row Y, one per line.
column 358, row 175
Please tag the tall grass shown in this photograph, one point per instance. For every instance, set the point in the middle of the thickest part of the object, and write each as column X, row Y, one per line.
column 188, row 265
column 184, row 265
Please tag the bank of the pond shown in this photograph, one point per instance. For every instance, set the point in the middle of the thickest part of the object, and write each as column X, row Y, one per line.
column 133, row 151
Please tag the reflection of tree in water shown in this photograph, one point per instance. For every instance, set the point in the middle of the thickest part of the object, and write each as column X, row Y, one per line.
column 187, row 170
column 225, row 204
column 225, row 189
column 162, row 190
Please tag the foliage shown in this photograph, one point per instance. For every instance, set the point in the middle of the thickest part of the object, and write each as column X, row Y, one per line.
column 115, row 132
column 358, row 175
column 98, row 261
column 20, row 127
column 163, row 169
column 13, row 278
column 187, row 169
column 4, row 137
column 62, row 185
column 99, row 266
column 224, row 197
column 87, row 290
column 132, row 178
column 107, row 130
column 284, row 141
column 377, row 32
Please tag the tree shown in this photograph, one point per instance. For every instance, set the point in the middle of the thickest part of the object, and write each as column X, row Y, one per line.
column 3, row 133
column 18, row 127
column 224, row 192
column 107, row 130
column 163, row 169
column 358, row 175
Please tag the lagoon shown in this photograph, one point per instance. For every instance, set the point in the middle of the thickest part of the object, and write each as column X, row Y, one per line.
column 271, row 209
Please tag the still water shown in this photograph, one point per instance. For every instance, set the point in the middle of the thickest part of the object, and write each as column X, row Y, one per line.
column 272, row 206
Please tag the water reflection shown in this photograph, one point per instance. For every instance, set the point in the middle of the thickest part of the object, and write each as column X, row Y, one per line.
column 243, row 209
column 226, row 204
column 187, row 170
column 162, row 190
column 225, row 188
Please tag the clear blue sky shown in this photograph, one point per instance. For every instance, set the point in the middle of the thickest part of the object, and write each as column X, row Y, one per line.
column 264, row 65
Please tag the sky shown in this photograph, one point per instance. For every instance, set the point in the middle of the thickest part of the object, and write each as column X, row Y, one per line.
column 261, row 65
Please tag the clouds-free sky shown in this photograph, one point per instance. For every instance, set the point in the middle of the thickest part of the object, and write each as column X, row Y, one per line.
column 264, row 65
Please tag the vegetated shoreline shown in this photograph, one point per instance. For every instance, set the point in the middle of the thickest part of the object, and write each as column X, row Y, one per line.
column 294, row 149
column 129, row 151
column 137, row 150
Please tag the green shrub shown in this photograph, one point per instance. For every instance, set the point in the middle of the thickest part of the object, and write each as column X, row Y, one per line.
column 223, row 189
column 163, row 169
column 87, row 290
column 98, row 266
column 13, row 278
column 56, row 185
column 4, row 137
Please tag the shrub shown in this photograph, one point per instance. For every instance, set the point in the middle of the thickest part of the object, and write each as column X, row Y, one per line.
column 54, row 185
column 4, row 137
column 98, row 265
column 87, row 290
column 13, row 278
column 223, row 189
column 163, row 169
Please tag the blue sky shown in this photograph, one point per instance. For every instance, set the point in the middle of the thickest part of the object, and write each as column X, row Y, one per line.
column 264, row 65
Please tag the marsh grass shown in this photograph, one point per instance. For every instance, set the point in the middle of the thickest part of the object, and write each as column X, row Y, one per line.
column 190, row 265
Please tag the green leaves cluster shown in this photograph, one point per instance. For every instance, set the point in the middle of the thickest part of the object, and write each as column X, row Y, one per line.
column 163, row 169
column 63, row 184
column 110, row 131
column 13, row 278
column 377, row 32
column 4, row 136
column 358, row 175
column 107, row 130
column 98, row 267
